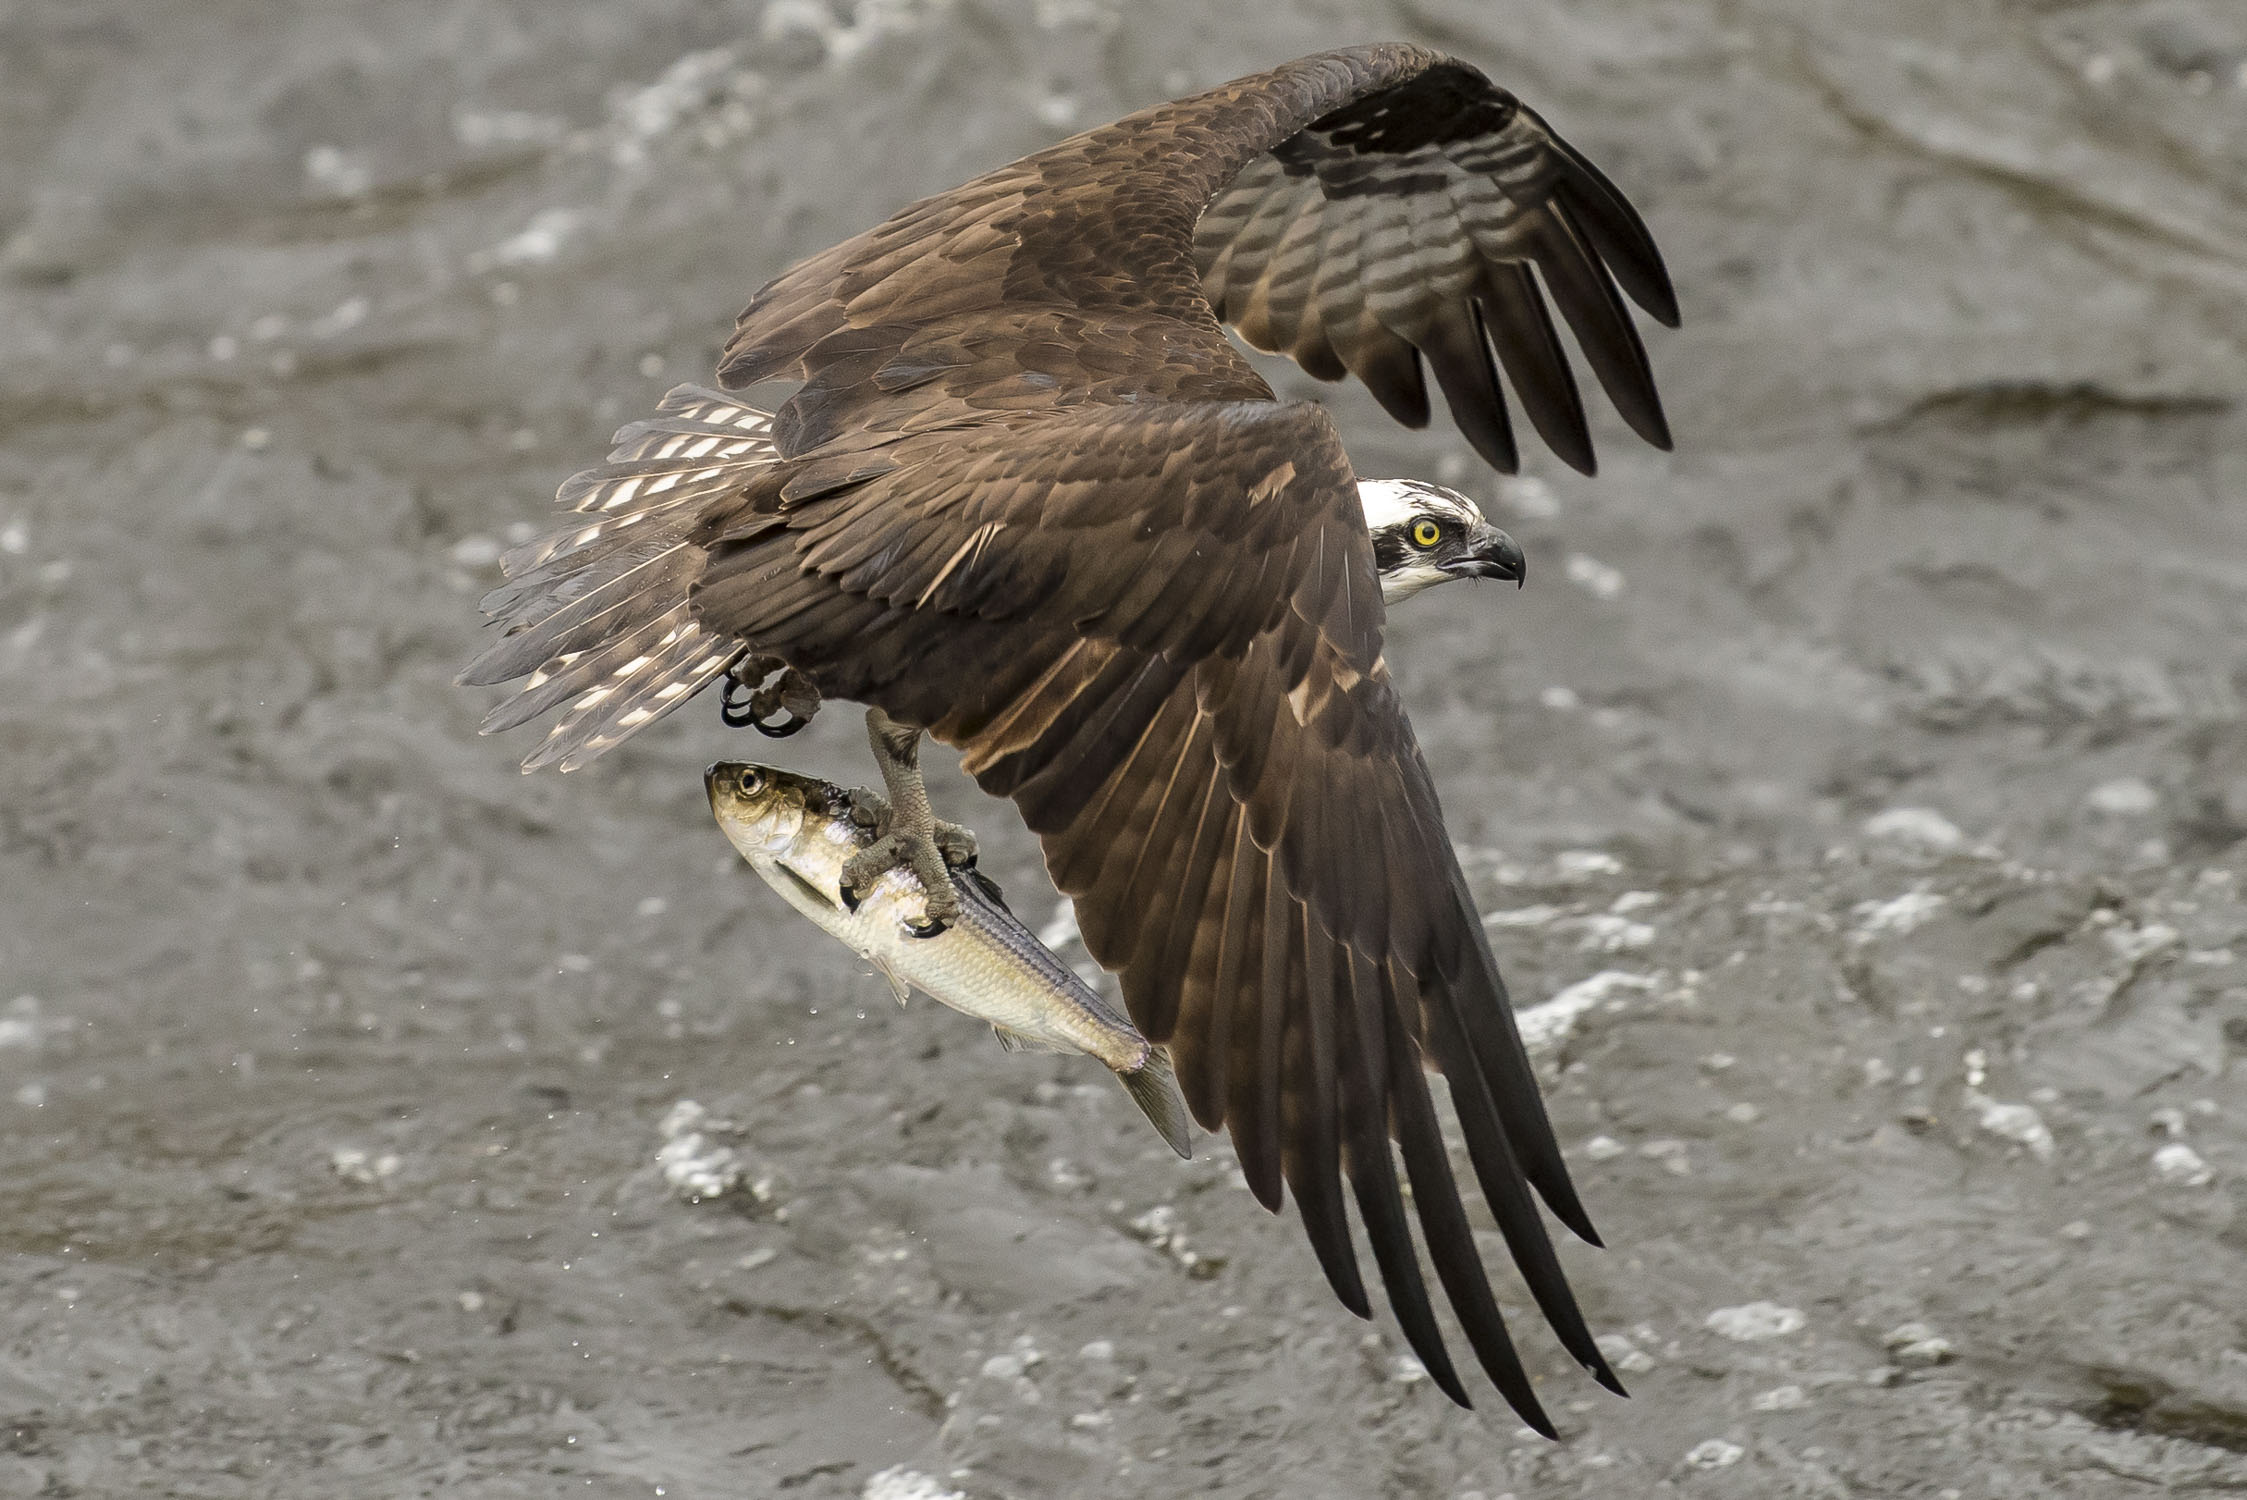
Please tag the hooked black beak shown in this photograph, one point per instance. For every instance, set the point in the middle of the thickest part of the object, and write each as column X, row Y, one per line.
column 1490, row 554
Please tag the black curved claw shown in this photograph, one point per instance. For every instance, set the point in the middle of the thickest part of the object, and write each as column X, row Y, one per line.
column 927, row 929
column 737, row 705
column 848, row 893
column 779, row 731
column 743, row 705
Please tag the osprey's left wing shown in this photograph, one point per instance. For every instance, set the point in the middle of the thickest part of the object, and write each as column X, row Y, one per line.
column 1363, row 211
column 1158, row 629
column 1416, row 223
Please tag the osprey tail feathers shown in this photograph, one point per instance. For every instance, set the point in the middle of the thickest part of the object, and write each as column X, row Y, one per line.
column 596, row 616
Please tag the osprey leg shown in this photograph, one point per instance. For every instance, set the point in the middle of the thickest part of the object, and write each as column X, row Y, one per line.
column 911, row 837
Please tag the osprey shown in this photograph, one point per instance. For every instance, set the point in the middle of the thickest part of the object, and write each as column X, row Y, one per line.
column 1027, row 497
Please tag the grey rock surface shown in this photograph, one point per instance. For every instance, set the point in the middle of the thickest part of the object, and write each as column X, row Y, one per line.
column 1861, row 791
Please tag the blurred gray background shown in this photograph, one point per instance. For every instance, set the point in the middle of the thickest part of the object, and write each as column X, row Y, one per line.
column 1860, row 791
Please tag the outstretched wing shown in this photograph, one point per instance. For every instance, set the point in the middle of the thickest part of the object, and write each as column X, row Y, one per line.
column 1358, row 210
column 1158, row 630
column 1407, row 225
column 1362, row 210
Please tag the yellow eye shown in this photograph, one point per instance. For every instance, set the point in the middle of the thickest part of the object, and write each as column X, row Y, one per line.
column 1426, row 534
column 752, row 781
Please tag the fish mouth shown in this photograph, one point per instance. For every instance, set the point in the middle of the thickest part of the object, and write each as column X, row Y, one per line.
column 1490, row 554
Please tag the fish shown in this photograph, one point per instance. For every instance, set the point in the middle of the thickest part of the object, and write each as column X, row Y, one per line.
column 797, row 831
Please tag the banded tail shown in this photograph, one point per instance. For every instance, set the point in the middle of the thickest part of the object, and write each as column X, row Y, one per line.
column 596, row 616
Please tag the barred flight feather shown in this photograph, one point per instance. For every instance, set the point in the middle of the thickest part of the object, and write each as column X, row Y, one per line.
column 598, row 613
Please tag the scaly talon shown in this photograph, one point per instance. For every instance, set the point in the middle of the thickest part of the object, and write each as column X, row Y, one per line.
column 955, row 843
column 889, row 852
column 909, row 835
column 901, row 850
column 870, row 810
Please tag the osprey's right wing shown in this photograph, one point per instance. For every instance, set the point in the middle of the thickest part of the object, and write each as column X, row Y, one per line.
column 1158, row 630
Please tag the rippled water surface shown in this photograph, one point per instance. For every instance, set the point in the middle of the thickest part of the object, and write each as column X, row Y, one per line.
column 1858, row 795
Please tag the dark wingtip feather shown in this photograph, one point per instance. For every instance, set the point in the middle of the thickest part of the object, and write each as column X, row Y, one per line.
column 1515, row 321
column 1559, row 1192
column 1264, row 1180
column 1447, row 1381
column 1503, row 1187
column 1655, row 427
column 1373, row 1176
column 1620, row 236
column 1390, row 368
column 1450, row 1240
column 1662, row 308
column 1485, row 1016
column 1460, row 357
column 1327, row 1227
column 1587, row 298
column 1316, row 356
column 1311, row 1156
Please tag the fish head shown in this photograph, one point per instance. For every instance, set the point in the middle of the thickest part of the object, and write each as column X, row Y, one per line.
column 761, row 808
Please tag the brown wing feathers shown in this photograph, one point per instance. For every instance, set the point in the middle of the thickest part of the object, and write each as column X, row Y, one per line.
column 1028, row 495
column 1288, row 968
column 1430, row 201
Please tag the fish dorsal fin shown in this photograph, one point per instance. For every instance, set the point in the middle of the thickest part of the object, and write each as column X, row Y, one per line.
column 986, row 884
column 896, row 985
column 1015, row 1041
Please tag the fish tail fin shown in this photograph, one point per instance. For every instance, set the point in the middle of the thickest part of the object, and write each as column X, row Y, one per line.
column 1153, row 1086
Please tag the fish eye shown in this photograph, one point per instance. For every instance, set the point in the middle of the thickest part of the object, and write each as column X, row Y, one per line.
column 752, row 781
column 1426, row 533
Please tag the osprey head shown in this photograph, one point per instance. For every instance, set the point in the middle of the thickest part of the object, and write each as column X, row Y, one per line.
column 1424, row 534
